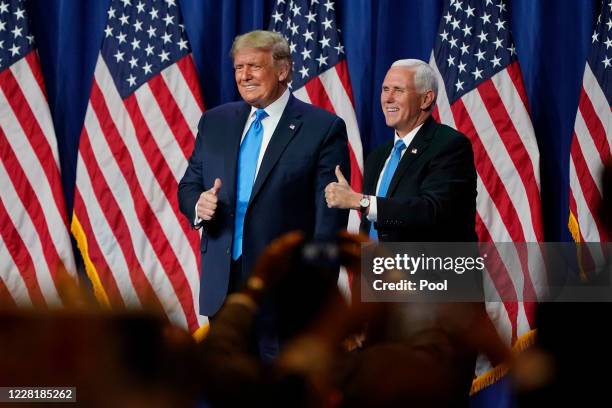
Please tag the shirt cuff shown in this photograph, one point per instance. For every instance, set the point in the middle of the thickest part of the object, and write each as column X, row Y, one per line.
column 372, row 212
column 196, row 219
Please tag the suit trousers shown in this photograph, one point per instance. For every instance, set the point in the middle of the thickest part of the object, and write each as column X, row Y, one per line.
column 265, row 335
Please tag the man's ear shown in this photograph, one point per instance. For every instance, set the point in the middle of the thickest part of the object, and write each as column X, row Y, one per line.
column 283, row 71
column 427, row 100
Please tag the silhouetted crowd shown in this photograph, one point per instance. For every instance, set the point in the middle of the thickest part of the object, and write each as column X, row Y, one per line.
column 335, row 352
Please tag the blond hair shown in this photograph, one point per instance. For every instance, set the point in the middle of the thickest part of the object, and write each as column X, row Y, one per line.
column 268, row 41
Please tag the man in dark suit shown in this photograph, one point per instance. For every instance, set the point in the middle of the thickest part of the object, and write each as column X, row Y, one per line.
column 420, row 186
column 259, row 168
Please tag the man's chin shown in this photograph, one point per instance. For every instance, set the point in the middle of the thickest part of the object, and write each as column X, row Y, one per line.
column 248, row 98
column 390, row 123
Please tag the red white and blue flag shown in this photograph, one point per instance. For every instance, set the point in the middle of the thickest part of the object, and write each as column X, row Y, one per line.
column 482, row 95
column 592, row 140
column 35, row 243
column 138, row 133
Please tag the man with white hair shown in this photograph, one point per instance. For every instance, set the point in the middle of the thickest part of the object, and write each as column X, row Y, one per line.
column 421, row 185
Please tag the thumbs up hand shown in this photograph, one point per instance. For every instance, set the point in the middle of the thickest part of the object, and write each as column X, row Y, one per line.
column 207, row 203
column 340, row 194
column 340, row 177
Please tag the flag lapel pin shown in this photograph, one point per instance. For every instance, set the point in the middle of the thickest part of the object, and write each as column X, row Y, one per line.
column 414, row 151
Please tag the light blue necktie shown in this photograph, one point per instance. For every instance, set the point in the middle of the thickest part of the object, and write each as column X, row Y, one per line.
column 396, row 155
column 247, row 164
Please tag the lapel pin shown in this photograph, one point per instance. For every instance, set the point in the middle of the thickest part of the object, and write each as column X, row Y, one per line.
column 413, row 151
column 292, row 126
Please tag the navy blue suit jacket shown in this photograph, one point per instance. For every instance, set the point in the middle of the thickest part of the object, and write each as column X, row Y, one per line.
column 432, row 195
column 288, row 193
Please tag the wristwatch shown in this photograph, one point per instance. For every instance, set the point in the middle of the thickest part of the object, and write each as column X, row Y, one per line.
column 364, row 203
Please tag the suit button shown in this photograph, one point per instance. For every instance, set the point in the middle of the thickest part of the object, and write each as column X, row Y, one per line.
column 227, row 250
column 232, row 215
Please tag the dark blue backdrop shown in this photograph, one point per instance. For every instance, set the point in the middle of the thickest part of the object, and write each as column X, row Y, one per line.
column 552, row 39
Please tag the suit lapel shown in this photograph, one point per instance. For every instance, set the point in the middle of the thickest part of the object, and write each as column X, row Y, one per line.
column 287, row 127
column 231, row 146
column 419, row 144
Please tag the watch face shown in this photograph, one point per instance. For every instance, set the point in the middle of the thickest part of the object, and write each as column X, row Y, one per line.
column 364, row 202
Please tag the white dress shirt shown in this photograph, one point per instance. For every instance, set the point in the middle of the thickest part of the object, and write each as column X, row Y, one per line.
column 275, row 111
column 373, row 211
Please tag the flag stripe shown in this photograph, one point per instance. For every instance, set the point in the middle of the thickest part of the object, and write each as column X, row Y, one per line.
column 6, row 295
column 488, row 173
column 593, row 127
column 587, row 225
column 483, row 96
column 520, row 117
column 138, row 177
column 516, row 154
column 510, row 190
column 159, row 165
column 144, row 181
column 28, row 242
column 318, row 96
column 188, row 69
column 34, row 64
column 87, row 207
column 144, row 176
column 13, row 97
column 172, row 115
column 36, row 103
column 30, row 202
column 600, row 103
column 343, row 106
column 513, row 71
column 485, row 126
column 504, row 286
column 184, row 98
column 343, row 74
column 149, row 221
column 20, row 256
column 35, row 242
column 161, row 151
column 20, row 154
column 115, row 218
column 590, row 151
column 443, row 104
column 488, row 225
column 302, row 95
column 95, row 255
column 140, row 129
column 590, row 193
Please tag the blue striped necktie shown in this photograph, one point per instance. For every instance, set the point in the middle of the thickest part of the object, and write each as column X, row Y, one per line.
column 247, row 164
column 396, row 155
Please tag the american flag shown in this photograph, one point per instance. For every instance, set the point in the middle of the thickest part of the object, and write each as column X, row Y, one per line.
column 320, row 72
column 139, row 131
column 34, row 240
column 592, row 138
column 483, row 97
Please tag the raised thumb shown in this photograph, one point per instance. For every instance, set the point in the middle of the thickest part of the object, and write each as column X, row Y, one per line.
column 340, row 176
column 216, row 186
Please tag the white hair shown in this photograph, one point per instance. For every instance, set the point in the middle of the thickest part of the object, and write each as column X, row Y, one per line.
column 424, row 75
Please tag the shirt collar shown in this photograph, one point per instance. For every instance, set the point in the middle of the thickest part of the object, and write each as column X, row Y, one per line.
column 276, row 108
column 409, row 136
